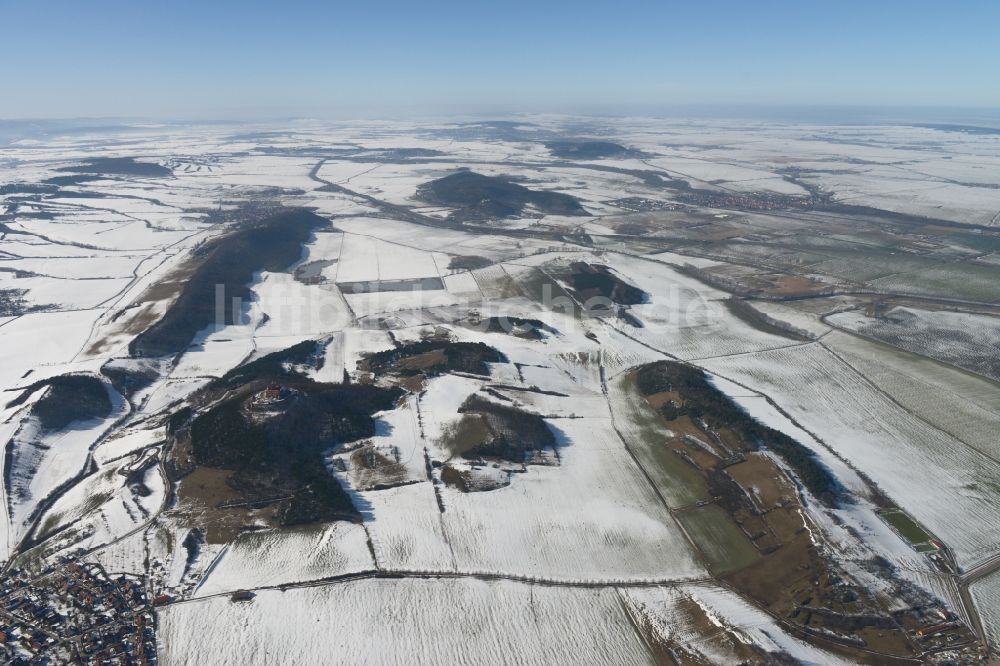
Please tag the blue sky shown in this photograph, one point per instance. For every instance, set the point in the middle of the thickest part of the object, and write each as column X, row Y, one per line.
column 227, row 58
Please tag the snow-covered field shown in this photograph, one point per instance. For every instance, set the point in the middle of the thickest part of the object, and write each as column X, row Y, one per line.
column 467, row 620
column 986, row 596
column 281, row 557
column 549, row 522
column 395, row 621
column 577, row 556
column 966, row 340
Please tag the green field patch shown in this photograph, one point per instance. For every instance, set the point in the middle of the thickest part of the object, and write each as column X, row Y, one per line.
column 724, row 545
column 906, row 526
column 679, row 482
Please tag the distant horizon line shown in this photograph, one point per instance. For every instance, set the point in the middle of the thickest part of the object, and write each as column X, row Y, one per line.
column 847, row 114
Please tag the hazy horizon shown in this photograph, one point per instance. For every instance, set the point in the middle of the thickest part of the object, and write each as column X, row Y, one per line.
column 847, row 114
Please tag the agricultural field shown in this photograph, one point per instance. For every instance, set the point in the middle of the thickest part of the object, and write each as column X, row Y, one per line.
column 560, row 389
column 948, row 486
column 986, row 595
column 969, row 341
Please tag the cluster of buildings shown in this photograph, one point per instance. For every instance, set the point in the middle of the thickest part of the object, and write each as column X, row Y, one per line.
column 942, row 633
column 77, row 614
column 641, row 205
column 749, row 201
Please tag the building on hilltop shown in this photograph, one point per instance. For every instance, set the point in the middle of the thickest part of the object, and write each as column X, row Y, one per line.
column 272, row 392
